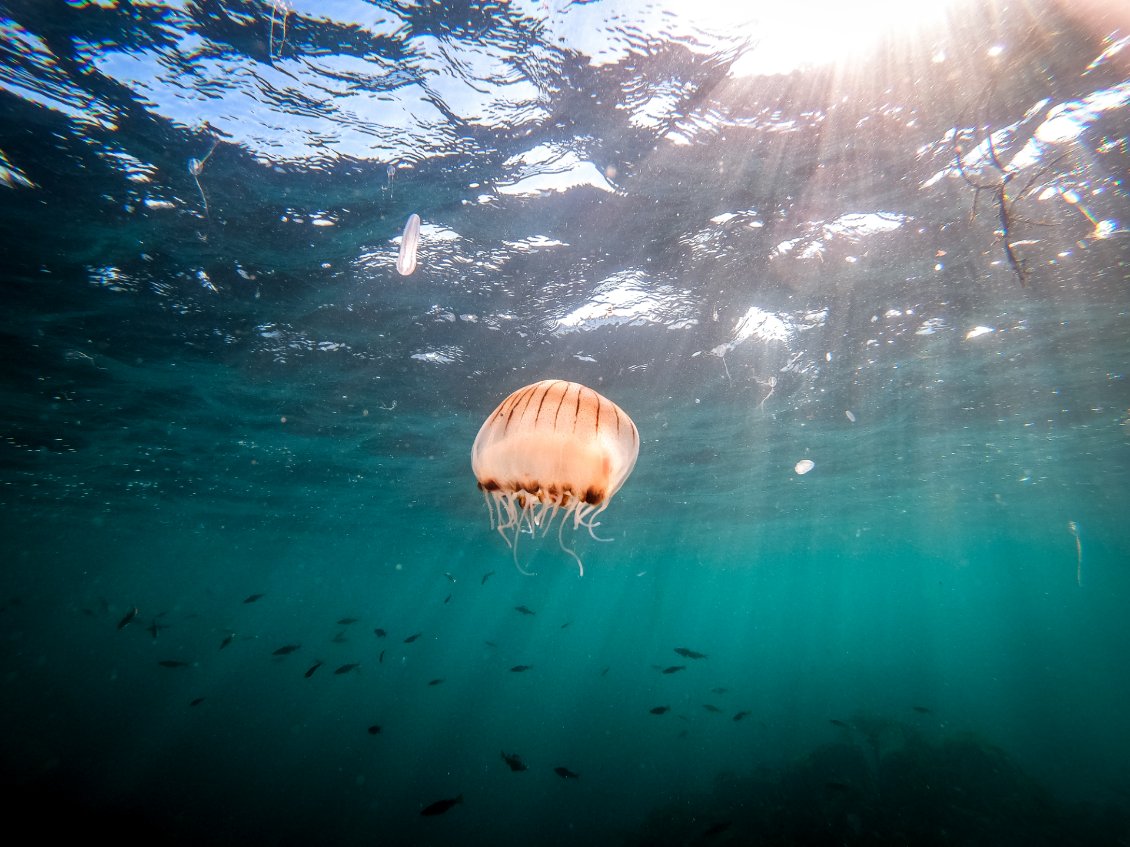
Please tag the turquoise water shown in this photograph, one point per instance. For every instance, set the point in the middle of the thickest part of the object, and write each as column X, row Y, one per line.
column 921, row 640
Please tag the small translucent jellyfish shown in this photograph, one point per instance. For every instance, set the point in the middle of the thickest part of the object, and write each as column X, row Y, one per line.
column 804, row 466
column 406, row 260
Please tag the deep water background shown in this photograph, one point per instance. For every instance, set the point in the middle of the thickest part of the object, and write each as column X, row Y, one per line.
column 215, row 386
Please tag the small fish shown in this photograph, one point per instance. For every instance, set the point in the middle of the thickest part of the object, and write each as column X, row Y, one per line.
column 228, row 639
column 155, row 627
column 710, row 708
column 565, row 773
column 450, row 576
column 690, row 654
column 719, row 690
column 523, row 610
column 605, row 669
column 348, row 668
column 566, row 625
column 514, row 761
column 922, row 710
column 718, row 828
column 660, row 710
column 314, row 667
column 486, row 576
column 412, row 638
column 197, row 701
column 740, row 715
column 339, row 638
column 347, row 621
column 436, row 681
column 839, row 723
column 441, row 806
column 172, row 663
column 380, row 633
column 490, row 644
column 129, row 616
column 286, row 650
column 520, row 668
column 675, row 669
column 381, row 657
column 252, row 598
column 375, row 729
column 447, row 599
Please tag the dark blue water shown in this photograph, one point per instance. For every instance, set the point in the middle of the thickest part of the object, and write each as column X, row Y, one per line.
column 896, row 248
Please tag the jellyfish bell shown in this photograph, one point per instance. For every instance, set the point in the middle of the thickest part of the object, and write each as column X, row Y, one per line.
column 554, row 449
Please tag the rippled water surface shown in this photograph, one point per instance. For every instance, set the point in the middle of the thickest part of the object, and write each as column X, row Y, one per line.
column 859, row 273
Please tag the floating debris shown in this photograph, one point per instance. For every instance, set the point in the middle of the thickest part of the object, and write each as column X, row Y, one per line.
column 450, row 576
column 409, row 242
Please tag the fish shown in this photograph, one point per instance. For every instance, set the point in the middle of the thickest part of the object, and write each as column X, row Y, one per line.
column 604, row 671
column 740, row 715
column 514, row 761
column 197, row 701
column 129, row 616
column 409, row 243
column 922, row 710
column 286, row 650
column 447, row 599
column 227, row 640
column 710, row 708
column 660, row 710
column 314, row 667
column 375, row 729
column 380, row 633
column 347, row 668
column 450, row 576
column 486, row 576
column 381, row 657
column 718, row 828
column 172, row 663
column 436, row 681
column 339, row 638
column 565, row 773
column 566, row 625
column 440, row 806
column 155, row 627
column 719, row 690
column 839, row 723
column 675, row 669
column 523, row 610
column 253, row 597
column 412, row 638
column 520, row 668
column 690, row 654
column 347, row 621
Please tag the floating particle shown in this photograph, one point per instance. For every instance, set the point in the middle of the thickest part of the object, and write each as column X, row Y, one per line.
column 406, row 260
column 804, row 466
column 848, row 414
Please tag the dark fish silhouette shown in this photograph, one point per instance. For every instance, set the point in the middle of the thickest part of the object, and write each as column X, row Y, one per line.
column 339, row 638
column 347, row 621
column 155, row 627
column 520, row 668
column 375, row 729
column 710, row 708
column 412, row 638
column 661, row 710
column 129, row 616
column 381, row 657
column 690, row 654
column 227, row 640
column 514, row 761
column 486, row 576
column 565, row 773
column 675, row 669
column 197, row 701
column 172, row 663
column 604, row 671
column 523, row 610
column 922, row 710
column 380, row 633
column 838, row 723
column 286, row 650
column 740, row 715
column 441, row 806
column 436, row 681
column 717, row 829
column 314, row 667
column 450, row 577
column 347, row 668
column 719, row 690
column 447, row 599
column 566, row 625
column 252, row 598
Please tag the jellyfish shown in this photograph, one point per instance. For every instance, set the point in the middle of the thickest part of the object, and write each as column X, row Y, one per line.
column 554, row 449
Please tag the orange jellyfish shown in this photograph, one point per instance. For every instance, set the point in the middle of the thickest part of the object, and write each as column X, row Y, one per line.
column 554, row 448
